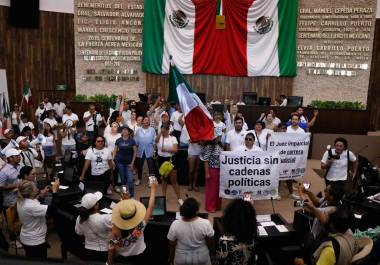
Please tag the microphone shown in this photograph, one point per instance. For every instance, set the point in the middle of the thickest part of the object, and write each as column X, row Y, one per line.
column 271, row 200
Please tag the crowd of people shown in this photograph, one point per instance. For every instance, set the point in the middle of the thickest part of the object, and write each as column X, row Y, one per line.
column 116, row 156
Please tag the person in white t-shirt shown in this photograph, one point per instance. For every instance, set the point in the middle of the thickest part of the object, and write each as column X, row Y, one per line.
column 294, row 128
column 50, row 119
column 67, row 133
column 59, row 108
column 69, row 115
column 167, row 147
column 283, row 101
column 24, row 122
column 219, row 125
column 32, row 216
column 249, row 144
column 100, row 159
column 47, row 104
column 39, row 111
column 177, row 121
column 190, row 238
column 338, row 162
column 235, row 137
column 261, row 135
column 92, row 120
column 15, row 118
column 129, row 219
column 94, row 227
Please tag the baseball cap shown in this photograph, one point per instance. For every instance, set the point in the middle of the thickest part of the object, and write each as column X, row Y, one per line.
column 21, row 138
column 12, row 152
column 90, row 199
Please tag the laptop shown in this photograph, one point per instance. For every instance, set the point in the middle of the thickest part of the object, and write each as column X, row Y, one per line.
column 159, row 206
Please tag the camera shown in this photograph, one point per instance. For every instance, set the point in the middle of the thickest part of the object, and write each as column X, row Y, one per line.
column 298, row 203
column 330, row 153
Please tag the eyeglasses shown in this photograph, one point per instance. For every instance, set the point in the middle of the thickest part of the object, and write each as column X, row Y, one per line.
column 249, row 139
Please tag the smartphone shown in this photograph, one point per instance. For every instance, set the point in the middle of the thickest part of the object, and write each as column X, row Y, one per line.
column 306, row 185
column 247, row 196
column 152, row 179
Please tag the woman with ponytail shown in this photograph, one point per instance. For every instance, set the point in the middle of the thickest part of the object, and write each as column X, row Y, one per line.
column 32, row 215
column 94, row 227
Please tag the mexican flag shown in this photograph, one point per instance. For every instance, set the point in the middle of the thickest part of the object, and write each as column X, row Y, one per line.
column 258, row 39
column 198, row 120
column 27, row 94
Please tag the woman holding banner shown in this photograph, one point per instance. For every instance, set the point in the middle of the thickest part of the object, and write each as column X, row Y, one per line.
column 210, row 156
column 249, row 144
column 261, row 135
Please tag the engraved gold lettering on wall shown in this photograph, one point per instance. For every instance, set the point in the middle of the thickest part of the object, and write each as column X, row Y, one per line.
column 334, row 49
column 109, row 46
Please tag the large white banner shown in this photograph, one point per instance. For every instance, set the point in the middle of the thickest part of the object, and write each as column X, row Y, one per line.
column 254, row 172
column 293, row 149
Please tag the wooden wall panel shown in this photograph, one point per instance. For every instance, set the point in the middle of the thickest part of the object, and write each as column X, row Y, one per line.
column 222, row 87
column 373, row 103
column 43, row 56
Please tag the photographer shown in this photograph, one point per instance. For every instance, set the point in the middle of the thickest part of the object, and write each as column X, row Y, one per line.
column 339, row 163
column 93, row 120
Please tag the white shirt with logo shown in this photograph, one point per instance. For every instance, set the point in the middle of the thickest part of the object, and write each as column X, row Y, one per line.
column 99, row 160
column 90, row 122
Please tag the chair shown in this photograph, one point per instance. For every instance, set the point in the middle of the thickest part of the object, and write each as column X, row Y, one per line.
column 264, row 101
column 365, row 245
column 249, row 98
column 294, row 101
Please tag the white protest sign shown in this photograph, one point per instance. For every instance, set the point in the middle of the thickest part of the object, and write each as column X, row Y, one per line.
column 293, row 149
column 255, row 172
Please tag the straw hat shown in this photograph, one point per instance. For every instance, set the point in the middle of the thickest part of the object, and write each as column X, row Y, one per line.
column 127, row 214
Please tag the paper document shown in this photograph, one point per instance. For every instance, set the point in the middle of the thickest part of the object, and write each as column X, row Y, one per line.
column 282, row 228
column 262, row 231
column 81, row 186
column 267, row 224
column 106, row 210
column 263, row 218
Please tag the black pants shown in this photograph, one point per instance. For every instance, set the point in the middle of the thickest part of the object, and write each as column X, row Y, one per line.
column 101, row 181
column 134, row 260
column 339, row 183
column 90, row 254
column 36, row 252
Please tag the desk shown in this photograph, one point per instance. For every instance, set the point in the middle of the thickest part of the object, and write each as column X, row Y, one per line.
column 154, row 235
column 274, row 238
column 369, row 210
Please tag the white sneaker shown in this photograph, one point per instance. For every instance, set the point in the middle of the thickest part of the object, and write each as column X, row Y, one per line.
column 117, row 189
column 294, row 197
column 109, row 190
column 137, row 182
column 180, row 202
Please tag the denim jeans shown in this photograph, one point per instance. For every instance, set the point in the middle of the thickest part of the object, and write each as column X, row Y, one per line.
column 140, row 165
column 126, row 177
